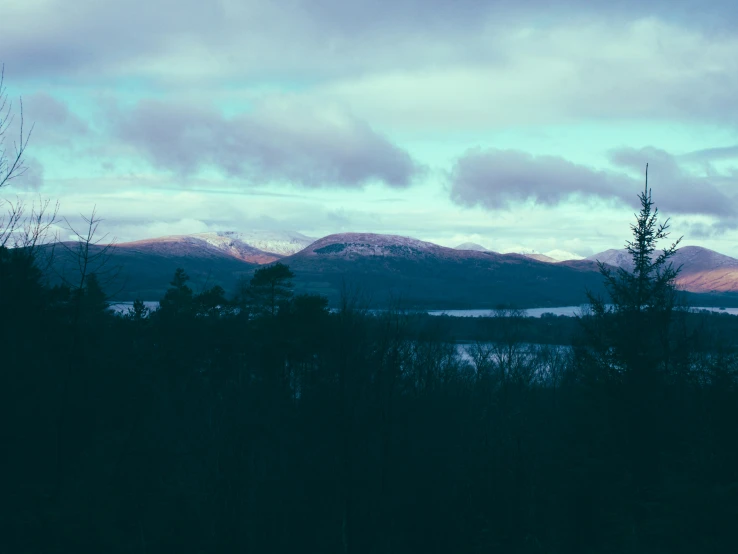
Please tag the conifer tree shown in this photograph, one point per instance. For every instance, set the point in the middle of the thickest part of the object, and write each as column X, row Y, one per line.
column 641, row 299
column 271, row 285
column 95, row 298
column 178, row 300
column 139, row 312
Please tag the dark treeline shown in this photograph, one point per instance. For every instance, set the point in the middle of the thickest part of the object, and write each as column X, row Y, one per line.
column 266, row 423
column 716, row 328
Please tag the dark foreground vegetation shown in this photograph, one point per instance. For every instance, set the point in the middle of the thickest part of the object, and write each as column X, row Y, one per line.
column 265, row 423
column 715, row 328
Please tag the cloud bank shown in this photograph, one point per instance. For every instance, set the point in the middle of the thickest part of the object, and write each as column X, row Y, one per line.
column 293, row 144
column 498, row 179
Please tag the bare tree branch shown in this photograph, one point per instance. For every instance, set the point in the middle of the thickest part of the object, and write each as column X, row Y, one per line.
column 12, row 163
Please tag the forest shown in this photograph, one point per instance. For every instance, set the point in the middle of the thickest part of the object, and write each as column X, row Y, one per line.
column 267, row 422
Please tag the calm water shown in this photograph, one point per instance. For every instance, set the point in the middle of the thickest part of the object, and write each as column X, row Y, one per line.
column 561, row 310
column 123, row 307
column 533, row 312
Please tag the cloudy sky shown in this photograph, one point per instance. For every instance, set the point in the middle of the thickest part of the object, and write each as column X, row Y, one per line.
column 511, row 123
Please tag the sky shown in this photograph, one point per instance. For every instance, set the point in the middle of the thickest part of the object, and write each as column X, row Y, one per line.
column 510, row 123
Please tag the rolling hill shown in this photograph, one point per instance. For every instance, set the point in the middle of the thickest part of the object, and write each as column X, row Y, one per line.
column 702, row 270
column 143, row 269
column 422, row 274
column 427, row 275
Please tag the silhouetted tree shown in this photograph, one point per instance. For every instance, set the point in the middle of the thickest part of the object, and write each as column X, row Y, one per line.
column 642, row 300
column 138, row 312
column 212, row 302
column 21, row 227
column 11, row 163
column 95, row 299
column 628, row 350
column 179, row 299
column 271, row 285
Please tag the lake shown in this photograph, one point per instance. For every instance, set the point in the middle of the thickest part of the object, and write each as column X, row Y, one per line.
column 570, row 311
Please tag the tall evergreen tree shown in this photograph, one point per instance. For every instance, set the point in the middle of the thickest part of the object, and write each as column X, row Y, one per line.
column 271, row 285
column 95, row 299
column 138, row 312
column 627, row 354
column 179, row 299
column 641, row 300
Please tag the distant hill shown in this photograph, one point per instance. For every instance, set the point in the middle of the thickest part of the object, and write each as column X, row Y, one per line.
column 423, row 274
column 541, row 258
column 563, row 255
column 206, row 244
column 146, row 267
column 428, row 275
column 551, row 257
column 703, row 270
column 258, row 246
column 471, row 246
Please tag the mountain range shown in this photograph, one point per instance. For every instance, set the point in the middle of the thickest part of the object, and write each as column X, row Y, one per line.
column 383, row 267
column 551, row 256
column 701, row 269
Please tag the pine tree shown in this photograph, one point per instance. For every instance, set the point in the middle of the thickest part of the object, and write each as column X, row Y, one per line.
column 271, row 285
column 642, row 300
column 95, row 299
column 626, row 355
column 139, row 312
column 178, row 300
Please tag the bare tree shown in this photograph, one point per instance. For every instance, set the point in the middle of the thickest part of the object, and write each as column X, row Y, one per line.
column 554, row 360
column 30, row 229
column 509, row 353
column 21, row 226
column 481, row 353
column 89, row 254
column 12, row 163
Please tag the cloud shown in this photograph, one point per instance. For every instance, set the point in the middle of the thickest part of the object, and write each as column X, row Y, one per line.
column 296, row 144
column 676, row 188
column 418, row 65
column 497, row 179
column 32, row 177
column 568, row 71
column 712, row 154
column 54, row 124
column 312, row 38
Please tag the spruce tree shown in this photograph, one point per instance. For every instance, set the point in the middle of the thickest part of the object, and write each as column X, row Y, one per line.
column 642, row 299
column 626, row 355
column 271, row 286
column 179, row 299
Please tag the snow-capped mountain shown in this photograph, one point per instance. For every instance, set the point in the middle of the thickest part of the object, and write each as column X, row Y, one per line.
column 281, row 243
column 617, row 257
column 471, row 246
column 552, row 256
column 540, row 258
column 702, row 270
column 357, row 245
column 202, row 245
column 174, row 246
column 562, row 255
column 256, row 247
column 147, row 266
column 426, row 274
column 529, row 253
column 520, row 250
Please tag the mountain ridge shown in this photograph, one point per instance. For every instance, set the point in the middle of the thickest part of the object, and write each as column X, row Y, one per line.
column 702, row 270
column 424, row 272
